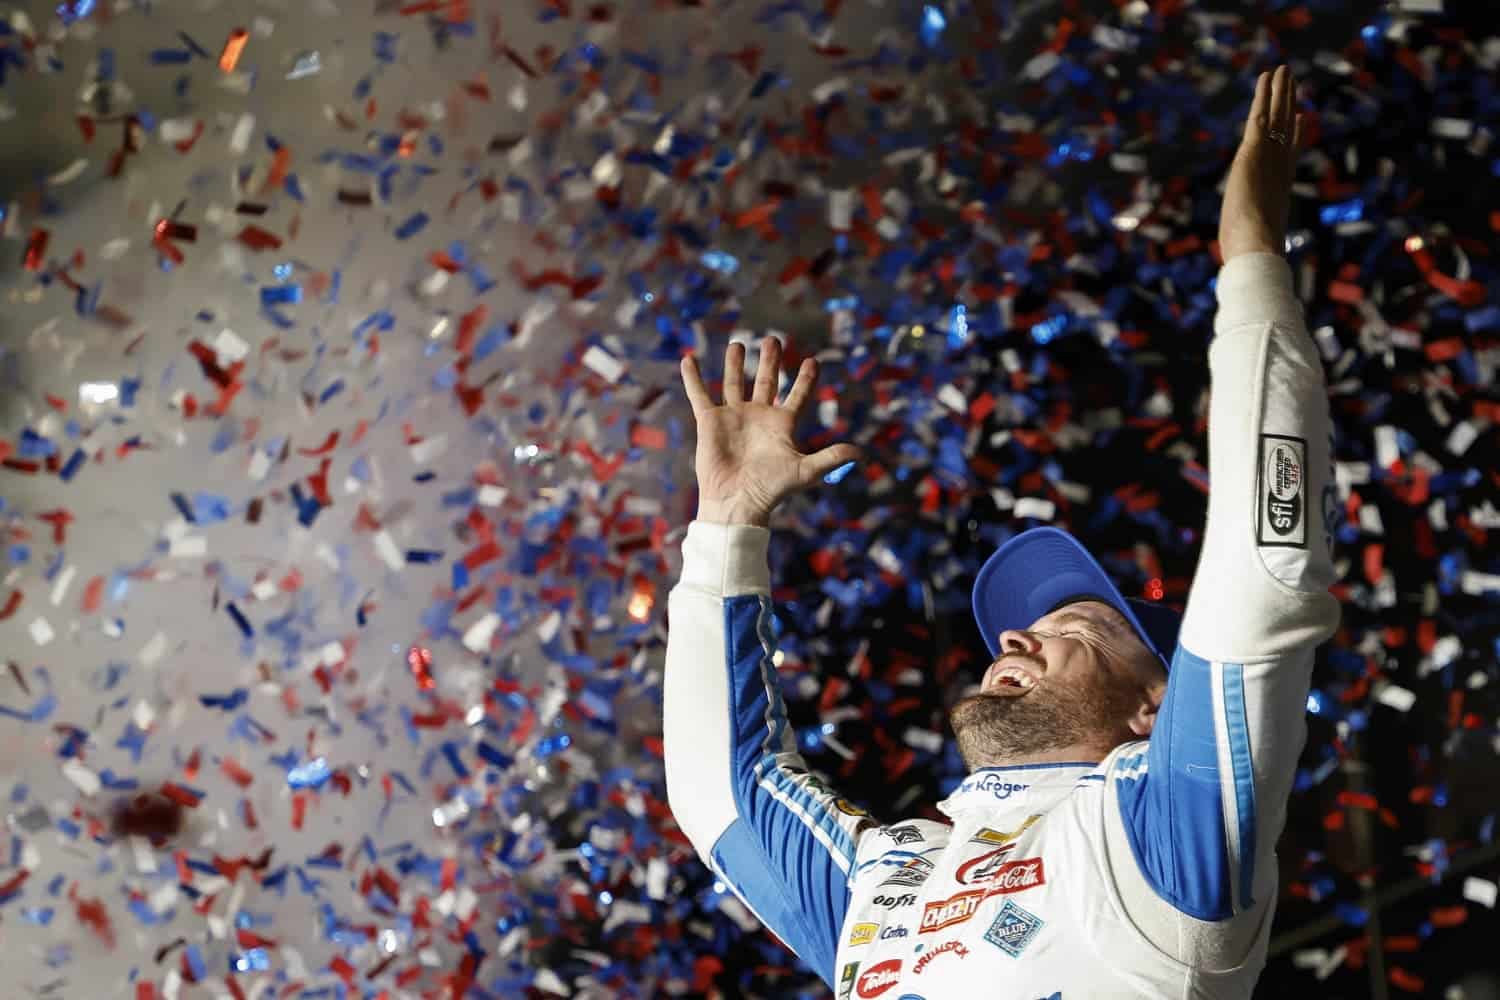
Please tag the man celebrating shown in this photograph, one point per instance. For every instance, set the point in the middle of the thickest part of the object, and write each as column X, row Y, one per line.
column 1130, row 770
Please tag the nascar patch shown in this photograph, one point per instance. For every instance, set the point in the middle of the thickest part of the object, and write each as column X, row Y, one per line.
column 862, row 934
column 1282, row 492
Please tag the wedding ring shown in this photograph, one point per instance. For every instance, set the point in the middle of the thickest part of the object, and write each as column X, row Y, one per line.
column 1276, row 135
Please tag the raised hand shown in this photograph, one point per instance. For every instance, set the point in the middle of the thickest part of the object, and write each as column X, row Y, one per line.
column 1257, row 198
column 746, row 459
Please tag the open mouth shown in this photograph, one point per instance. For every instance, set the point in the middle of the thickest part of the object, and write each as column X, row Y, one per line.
column 1009, row 681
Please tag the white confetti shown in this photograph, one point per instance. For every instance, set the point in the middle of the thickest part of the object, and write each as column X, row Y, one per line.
column 603, row 364
column 230, row 347
column 923, row 739
column 84, row 780
column 1463, row 434
column 952, row 397
column 1387, row 450
column 1396, row 697
column 657, row 875
column 1475, row 582
column 153, row 650
column 41, row 632
column 239, row 139
column 427, row 449
column 390, row 554
column 1481, row 891
column 64, row 581
column 477, row 637
column 1036, row 507
column 840, row 208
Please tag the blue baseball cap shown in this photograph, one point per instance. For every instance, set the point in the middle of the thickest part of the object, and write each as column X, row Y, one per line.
column 1040, row 570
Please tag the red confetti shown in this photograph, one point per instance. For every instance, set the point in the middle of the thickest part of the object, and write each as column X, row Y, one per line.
column 36, row 249
column 233, row 46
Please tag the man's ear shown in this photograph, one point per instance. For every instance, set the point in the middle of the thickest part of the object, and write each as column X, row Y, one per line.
column 1144, row 718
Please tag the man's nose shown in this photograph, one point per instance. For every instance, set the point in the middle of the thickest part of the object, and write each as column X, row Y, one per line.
column 1015, row 640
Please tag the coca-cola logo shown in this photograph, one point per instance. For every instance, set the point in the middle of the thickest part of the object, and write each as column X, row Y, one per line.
column 1013, row 876
column 879, row 978
column 999, row 875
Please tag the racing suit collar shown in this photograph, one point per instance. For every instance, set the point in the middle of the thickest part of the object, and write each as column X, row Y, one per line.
column 1019, row 789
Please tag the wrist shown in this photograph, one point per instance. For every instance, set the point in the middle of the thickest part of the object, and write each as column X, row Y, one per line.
column 733, row 512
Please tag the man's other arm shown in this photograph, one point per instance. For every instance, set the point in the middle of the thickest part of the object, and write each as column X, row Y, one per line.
column 1202, row 804
column 735, row 781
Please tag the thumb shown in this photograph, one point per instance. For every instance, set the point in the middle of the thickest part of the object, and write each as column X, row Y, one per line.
column 821, row 463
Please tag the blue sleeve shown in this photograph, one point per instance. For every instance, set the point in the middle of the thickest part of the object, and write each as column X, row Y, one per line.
column 777, row 836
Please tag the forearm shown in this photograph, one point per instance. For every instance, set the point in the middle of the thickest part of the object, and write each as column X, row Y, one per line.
column 735, row 782
column 1266, row 565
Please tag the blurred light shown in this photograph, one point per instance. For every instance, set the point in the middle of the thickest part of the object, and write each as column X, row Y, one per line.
column 1349, row 211
column 1315, row 702
column 933, row 23
column 718, row 260
column 605, row 897
column 1044, row 331
column 642, row 600
column 837, row 475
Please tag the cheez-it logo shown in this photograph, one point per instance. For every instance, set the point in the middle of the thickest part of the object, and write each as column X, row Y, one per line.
column 955, row 909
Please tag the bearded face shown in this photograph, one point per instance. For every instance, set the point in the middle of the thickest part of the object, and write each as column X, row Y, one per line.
column 1072, row 687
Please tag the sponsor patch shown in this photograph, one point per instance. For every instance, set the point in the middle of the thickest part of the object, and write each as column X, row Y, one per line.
column 992, row 783
column 862, row 934
column 941, row 913
column 1016, row 876
column 911, row 874
column 981, row 867
column 893, row 931
column 878, row 978
column 905, row 899
column 1282, row 493
column 955, row 947
column 999, row 838
column 903, row 834
column 1013, row 929
column 846, row 980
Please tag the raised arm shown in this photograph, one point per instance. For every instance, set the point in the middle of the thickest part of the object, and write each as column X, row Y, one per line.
column 1201, row 805
column 738, row 787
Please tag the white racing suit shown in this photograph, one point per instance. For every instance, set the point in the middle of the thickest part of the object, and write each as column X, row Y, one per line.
column 1150, row 874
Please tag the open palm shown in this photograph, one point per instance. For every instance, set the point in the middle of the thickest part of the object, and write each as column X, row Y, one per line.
column 746, row 460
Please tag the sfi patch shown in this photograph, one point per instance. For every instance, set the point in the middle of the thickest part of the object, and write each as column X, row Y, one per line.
column 1282, row 492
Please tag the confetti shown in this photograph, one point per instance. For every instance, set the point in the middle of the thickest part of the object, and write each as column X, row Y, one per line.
column 486, row 244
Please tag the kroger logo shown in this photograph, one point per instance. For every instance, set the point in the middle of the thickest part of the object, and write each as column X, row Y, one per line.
column 993, row 783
